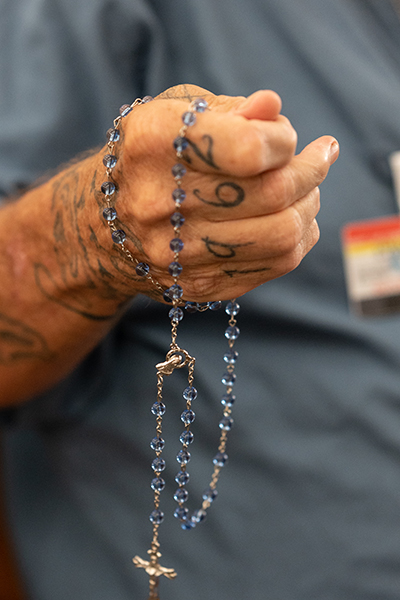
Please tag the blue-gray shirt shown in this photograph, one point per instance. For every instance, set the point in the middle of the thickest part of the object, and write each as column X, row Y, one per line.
column 309, row 505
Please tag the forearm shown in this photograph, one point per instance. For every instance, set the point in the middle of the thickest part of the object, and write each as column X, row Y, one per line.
column 61, row 291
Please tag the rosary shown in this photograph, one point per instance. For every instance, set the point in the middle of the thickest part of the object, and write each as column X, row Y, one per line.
column 176, row 357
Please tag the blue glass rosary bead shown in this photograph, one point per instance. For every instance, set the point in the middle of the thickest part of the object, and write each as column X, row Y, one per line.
column 125, row 110
column 182, row 478
column 158, row 484
column 187, row 524
column 183, row 457
column 174, row 292
column 186, row 437
column 228, row 400
column 180, row 144
column 142, row 269
column 179, row 195
column 226, row 423
column 176, row 314
column 157, row 517
column 181, row 495
column 188, row 416
column 210, row 494
column 118, row 236
column 113, row 135
column 158, row 465
column 176, row 245
column 189, row 118
column 177, row 219
column 215, row 305
column 229, row 379
column 158, row 409
column 157, row 444
column 191, row 307
column 231, row 356
column 109, row 213
column 109, row 161
column 190, row 393
column 198, row 516
column 175, row 269
column 220, row 459
column 232, row 332
column 200, row 105
column 181, row 512
column 178, row 171
column 108, row 188
column 232, row 308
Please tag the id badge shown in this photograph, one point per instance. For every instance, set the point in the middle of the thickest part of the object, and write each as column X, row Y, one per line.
column 371, row 251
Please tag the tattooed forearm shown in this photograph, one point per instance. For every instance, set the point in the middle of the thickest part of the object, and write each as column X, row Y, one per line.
column 49, row 288
column 233, row 272
column 222, row 250
column 228, row 194
column 18, row 341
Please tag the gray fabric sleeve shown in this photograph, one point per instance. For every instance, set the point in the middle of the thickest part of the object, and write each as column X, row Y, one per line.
column 65, row 68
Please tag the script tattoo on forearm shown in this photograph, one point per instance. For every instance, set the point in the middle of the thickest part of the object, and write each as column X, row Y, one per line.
column 100, row 270
column 222, row 250
column 49, row 288
column 228, row 194
column 18, row 341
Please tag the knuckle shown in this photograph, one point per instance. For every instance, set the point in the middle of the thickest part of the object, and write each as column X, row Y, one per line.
column 290, row 135
column 203, row 286
column 290, row 234
column 280, row 189
column 293, row 259
column 246, row 158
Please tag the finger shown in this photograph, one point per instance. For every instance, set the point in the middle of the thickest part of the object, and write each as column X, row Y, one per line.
column 230, row 144
column 258, row 238
column 222, row 198
column 233, row 280
column 219, row 142
column 281, row 188
column 263, row 104
column 245, row 240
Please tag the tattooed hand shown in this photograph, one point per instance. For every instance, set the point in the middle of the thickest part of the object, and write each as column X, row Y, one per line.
column 251, row 203
column 250, row 216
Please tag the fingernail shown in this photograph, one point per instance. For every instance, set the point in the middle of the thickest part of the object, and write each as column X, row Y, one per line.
column 334, row 151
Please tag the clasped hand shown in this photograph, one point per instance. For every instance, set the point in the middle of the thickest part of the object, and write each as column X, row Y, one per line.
column 251, row 205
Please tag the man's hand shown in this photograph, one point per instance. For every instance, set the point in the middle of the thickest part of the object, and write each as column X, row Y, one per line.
column 251, row 203
column 250, row 216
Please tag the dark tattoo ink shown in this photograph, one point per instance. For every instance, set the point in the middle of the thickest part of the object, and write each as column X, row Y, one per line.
column 58, row 229
column 18, row 341
column 207, row 157
column 49, row 288
column 234, row 272
column 223, row 250
column 225, row 197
